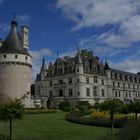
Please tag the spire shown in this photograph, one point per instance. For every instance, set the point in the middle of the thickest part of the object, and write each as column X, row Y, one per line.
column 106, row 65
column 78, row 56
column 57, row 54
column 14, row 22
column 43, row 68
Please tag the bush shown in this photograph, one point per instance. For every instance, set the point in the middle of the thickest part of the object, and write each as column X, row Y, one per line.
column 3, row 137
column 40, row 111
column 65, row 106
column 84, row 107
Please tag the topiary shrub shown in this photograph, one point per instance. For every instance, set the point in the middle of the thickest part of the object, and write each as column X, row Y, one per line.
column 84, row 107
column 65, row 106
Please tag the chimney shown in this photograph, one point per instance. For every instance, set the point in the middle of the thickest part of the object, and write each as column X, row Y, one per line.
column 25, row 36
column 1, row 41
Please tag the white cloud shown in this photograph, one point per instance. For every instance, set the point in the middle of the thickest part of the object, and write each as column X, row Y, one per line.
column 98, row 12
column 37, row 60
column 130, row 65
column 130, row 28
column 87, row 13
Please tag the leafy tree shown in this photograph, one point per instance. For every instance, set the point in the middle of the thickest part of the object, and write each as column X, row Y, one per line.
column 125, row 110
column 134, row 107
column 83, row 106
column 113, row 106
column 96, row 105
column 11, row 110
column 65, row 106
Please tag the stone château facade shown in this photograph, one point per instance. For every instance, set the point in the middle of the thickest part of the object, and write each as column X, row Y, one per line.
column 84, row 78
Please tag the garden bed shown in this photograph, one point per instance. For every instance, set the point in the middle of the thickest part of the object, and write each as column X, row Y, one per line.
column 88, row 120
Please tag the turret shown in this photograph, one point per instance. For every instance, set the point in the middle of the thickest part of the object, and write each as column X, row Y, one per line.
column 15, row 66
column 43, row 70
column 43, row 67
column 78, row 63
column 109, row 84
column 107, row 70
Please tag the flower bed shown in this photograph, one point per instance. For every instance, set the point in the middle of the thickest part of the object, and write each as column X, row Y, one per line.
column 100, row 120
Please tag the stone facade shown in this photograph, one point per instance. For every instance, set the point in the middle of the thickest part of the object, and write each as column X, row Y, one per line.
column 84, row 78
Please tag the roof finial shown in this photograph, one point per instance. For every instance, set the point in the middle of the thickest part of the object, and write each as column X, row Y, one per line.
column 105, row 59
column 14, row 22
column 14, row 16
column 43, row 68
column 57, row 54
column 106, row 64
column 78, row 49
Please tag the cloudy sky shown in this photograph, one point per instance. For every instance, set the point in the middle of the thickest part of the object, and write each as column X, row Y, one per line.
column 111, row 28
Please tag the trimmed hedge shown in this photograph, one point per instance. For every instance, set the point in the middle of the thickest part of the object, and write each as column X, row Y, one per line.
column 78, row 118
column 40, row 111
column 65, row 106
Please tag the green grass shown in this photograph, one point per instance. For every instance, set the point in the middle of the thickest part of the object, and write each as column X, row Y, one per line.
column 51, row 127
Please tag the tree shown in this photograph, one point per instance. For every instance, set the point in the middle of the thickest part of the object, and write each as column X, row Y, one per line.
column 125, row 110
column 65, row 106
column 11, row 110
column 83, row 106
column 134, row 107
column 96, row 105
column 113, row 106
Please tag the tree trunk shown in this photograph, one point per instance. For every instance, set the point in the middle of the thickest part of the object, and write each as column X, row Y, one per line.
column 136, row 116
column 112, row 124
column 10, row 129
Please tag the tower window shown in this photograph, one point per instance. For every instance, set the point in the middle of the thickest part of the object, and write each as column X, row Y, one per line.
column 103, row 93
column 70, row 80
column 70, row 92
column 118, row 84
column 16, row 56
column 4, row 55
column 102, row 82
column 78, row 93
column 95, row 79
column 77, row 80
column 88, row 92
column 87, row 80
column 26, row 58
column 77, row 69
column 50, row 83
column 94, row 91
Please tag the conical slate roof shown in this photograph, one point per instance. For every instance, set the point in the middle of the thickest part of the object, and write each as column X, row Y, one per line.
column 106, row 66
column 43, row 68
column 13, row 42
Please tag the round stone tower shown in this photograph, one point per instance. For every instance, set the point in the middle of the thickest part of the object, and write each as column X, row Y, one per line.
column 15, row 65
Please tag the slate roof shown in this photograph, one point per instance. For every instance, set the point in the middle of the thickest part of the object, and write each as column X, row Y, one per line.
column 13, row 42
column 124, row 72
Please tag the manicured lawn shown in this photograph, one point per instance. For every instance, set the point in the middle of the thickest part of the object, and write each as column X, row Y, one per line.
column 52, row 126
